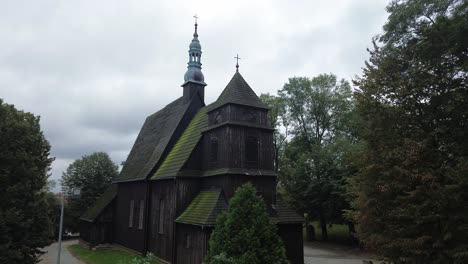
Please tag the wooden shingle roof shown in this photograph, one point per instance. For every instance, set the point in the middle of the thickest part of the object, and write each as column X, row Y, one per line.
column 184, row 146
column 238, row 91
column 152, row 141
column 284, row 215
column 106, row 198
column 204, row 209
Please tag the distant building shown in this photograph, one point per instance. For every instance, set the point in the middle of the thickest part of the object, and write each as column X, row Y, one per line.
column 185, row 165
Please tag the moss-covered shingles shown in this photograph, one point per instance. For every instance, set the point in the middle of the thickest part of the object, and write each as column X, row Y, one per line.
column 204, row 209
column 181, row 151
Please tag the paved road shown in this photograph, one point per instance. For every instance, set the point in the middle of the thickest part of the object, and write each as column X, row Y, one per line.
column 50, row 257
column 320, row 253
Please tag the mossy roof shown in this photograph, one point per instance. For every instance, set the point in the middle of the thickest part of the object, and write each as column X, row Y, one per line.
column 204, row 209
column 181, row 151
column 238, row 91
column 152, row 141
column 101, row 204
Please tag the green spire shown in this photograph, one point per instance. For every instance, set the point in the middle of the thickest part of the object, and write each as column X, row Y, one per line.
column 194, row 73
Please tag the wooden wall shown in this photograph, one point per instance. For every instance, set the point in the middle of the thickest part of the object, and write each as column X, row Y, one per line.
column 265, row 185
column 194, row 251
column 292, row 237
column 238, row 113
column 162, row 243
column 129, row 237
column 232, row 148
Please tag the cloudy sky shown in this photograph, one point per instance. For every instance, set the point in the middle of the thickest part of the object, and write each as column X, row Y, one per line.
column 93, row 70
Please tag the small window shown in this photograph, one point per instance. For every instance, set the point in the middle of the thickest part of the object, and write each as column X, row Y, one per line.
column 154, row 209
column 251, row 150
column 214, row 151
column 187, row 241
column 130, row 218
column 161, row 217
column 142, row 210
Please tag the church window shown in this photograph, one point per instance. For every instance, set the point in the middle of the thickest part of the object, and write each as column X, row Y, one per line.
column 187, row 241
column 161, row 217
column 154, row 209
column 251, row 150
column 142, row 210
column 130, row 218
column 214, row 151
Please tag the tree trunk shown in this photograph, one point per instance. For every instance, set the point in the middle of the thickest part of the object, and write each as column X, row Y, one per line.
column 323, row 226
column 310, row 232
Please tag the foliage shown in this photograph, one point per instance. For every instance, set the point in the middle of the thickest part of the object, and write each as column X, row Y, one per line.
column 319, row 111
column 245, row 234
column 277, row 119
column 24, row 164
column 91, row 174
column 410, row 194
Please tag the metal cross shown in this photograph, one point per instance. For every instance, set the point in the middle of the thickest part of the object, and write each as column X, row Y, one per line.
column 237, row 61
column 196, row 18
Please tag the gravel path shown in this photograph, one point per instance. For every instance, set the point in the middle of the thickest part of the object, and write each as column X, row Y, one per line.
column 321, row 253
column 50, row 257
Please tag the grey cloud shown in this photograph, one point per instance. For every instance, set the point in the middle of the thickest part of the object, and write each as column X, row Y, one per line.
column 93, row 70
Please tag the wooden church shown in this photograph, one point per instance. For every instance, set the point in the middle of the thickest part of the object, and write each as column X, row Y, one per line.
column 186, row 163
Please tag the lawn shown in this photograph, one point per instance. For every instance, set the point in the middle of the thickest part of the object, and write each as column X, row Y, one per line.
column 102, row 256
column 336, row 233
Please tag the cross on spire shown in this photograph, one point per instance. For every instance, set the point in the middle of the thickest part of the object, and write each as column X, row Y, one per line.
column 196, row 25
column 237, row 62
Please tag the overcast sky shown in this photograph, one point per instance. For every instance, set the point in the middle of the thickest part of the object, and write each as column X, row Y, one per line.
column 93, row 70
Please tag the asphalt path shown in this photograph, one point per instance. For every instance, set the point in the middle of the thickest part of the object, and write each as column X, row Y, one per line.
column 324, row 253
column 50, row 257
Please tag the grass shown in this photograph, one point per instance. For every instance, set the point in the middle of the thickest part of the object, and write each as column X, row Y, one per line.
column 336, row 233
column 102, row 256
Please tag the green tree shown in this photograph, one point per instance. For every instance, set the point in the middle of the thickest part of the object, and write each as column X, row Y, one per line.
column 411, row 199
column 277, row 119
column 91, row 174
column 315, row 167
column 245, row 234
column 24, row 164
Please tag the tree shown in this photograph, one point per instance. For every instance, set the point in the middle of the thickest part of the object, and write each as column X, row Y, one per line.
column 411, row 199
column 91, row 174
column 24, row 164
column 315, row 168
column 245, row 234
column 278, row 119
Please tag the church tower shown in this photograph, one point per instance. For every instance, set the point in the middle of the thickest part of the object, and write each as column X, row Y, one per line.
column 194, row 81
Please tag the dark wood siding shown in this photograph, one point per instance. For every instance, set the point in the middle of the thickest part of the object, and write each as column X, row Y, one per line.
column 187, row 189
column 241, row 113
column 265, row 185
column 129, row 237
column 231, row 145
column 101, row 230
column 238, row 113
column 194, row 251
column 161, row 242
column 291, row 234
